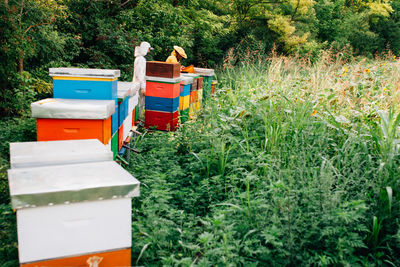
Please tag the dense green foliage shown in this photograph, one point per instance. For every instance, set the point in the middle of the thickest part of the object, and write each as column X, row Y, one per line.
column 294, row 162
column 38, row 34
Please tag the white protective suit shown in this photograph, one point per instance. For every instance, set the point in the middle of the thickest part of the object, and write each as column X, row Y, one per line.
column 139, row 72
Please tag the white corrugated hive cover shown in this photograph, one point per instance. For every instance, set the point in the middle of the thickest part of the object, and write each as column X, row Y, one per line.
column 131, row 87
column 162, row 79
column 44, row 153
column 187, row 79
column 204, row 71
column 63, row 184
column 81, row 72
column 58, row 108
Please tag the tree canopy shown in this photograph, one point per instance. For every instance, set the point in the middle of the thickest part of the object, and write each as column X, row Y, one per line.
column 38, row 34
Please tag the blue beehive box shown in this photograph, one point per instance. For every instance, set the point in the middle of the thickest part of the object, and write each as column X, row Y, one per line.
column 123, row 110
column 185, row 85
column 123, row 105
column 185, row 90
column 77, row 83
column 162, row 104
column 115, row 121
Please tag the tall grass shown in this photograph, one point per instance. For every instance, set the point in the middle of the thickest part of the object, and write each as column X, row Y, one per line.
column 290, row 164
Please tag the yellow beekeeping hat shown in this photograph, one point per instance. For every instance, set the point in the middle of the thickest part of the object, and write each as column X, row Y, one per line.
column 180, row 51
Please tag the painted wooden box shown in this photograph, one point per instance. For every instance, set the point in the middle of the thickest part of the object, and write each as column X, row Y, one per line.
column 115, row 144
column 73, row 119
column 65, row 211
column 199, row 83
column 163, row 69
column 184, row 102
column 163, row 87
column 78, row 83
column 162, row 104
column 193, row 97
column 120, row 137
column 165, row 121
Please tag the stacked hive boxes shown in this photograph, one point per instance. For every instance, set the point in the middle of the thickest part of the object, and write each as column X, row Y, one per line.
column 73, row 204
column 207, row 75
column 184, row 98
column 193, row 92
column 162, row 95
column 82, row 99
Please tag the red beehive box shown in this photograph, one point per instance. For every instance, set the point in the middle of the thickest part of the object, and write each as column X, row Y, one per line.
column 161, row 120
column 120, row 137
column 163, row 69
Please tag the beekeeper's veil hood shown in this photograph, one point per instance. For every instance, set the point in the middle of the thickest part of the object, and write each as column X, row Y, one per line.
column 142, row 49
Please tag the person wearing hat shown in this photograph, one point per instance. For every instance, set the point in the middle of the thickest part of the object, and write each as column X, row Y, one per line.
column 176, row 55
column 139, row 72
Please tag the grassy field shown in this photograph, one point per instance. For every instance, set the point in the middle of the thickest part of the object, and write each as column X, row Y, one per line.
column 290, row 164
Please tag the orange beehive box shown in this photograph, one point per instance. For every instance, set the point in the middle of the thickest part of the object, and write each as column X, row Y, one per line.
column 193, row 97
column 110, row 258
column 73, row 129
column 163, row 87
column 73, row 119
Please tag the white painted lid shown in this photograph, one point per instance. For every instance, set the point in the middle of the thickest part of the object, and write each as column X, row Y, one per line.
column 164, row 80
column 45, row 153
column 59, row 108
column 73, row 183
column 131, row 87
column 204, row 71
column 187, row 79
column 89, row 73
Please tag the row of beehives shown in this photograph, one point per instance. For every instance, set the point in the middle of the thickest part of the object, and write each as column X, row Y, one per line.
column 172, row 97
column 73, row 202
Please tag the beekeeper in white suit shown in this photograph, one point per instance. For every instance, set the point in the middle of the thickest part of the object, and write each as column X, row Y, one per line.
column 139, row 72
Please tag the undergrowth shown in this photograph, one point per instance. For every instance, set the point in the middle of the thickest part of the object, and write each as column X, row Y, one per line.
column 275, row 171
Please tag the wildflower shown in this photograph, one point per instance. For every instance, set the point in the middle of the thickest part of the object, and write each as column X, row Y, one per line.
column 394, row 57
column 367, row 70
column 314, row 113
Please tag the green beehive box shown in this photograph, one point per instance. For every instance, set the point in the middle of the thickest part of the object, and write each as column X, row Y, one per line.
column 114, row 145
column 207, row 75
column 184, row 114
column 136, row 112
column 207, row 81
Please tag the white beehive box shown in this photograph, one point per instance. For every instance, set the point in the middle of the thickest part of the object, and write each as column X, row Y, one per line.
column 127, row 126
column 68, row 210
column 36, row 154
